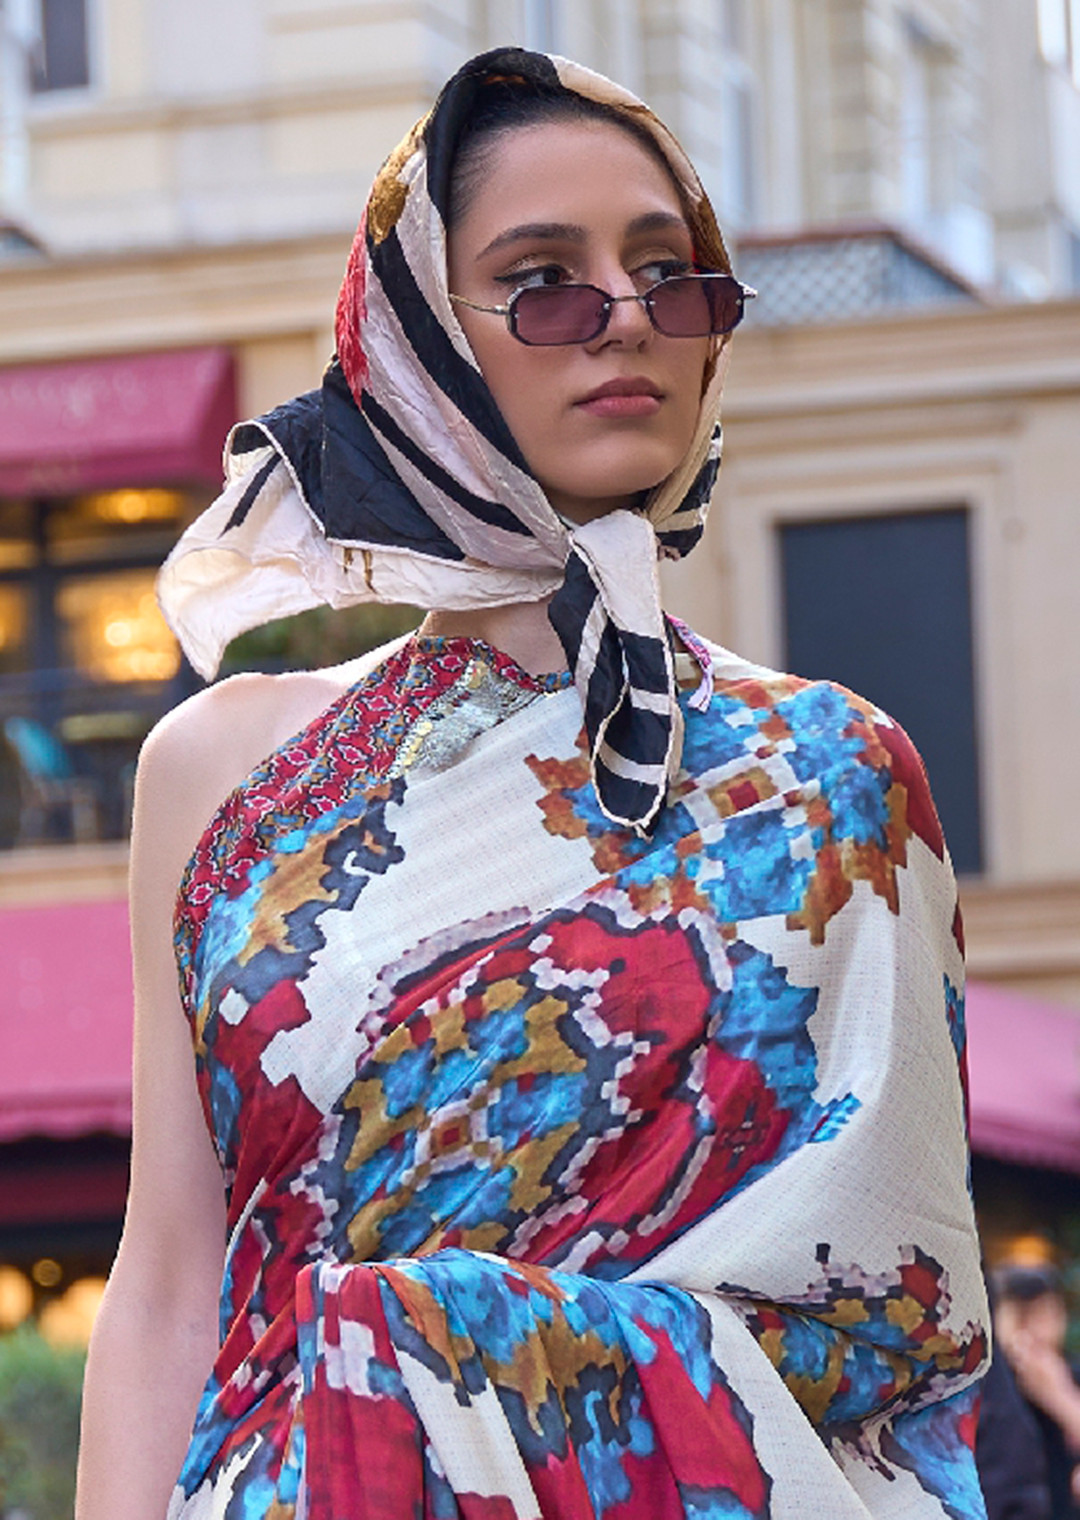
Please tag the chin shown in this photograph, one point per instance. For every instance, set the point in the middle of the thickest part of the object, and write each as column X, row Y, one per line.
column 618, row 480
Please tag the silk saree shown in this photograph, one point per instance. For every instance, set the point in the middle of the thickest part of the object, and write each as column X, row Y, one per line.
column 573, row 1172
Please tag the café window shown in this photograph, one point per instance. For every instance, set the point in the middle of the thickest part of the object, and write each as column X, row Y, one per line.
column 62, row 59
column 882, row 604
column 87, row 663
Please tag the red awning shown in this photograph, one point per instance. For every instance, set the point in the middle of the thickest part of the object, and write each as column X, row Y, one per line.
column 86, row 1182
column 1024, row 1068
column 65, row 1020
column 136, row 419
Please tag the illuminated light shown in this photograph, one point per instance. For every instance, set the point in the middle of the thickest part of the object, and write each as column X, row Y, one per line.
column 131, row 506
column 66, row 1322
column 46, row 1272
column 16, row 1298
column 148, row 665
column 12, row 617
column 16, row 554
column 117, row 632
column 1029, row 1251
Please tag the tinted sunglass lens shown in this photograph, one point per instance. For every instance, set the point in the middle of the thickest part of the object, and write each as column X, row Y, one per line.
column 696, row 305
column 726, row 303
column 558, row 314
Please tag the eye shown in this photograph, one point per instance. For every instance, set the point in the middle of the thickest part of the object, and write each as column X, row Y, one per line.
column 660, row 269
column 530, row 276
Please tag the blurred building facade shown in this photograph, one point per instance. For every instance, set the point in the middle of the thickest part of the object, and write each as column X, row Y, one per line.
column 179, row 184
column 142, row 124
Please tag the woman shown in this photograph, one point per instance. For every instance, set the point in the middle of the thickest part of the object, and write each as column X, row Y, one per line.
column 587, row 1099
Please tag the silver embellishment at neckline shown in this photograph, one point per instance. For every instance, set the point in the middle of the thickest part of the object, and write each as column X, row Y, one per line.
column 478, row 700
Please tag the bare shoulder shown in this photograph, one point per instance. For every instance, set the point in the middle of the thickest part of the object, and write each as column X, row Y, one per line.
column 204, row 748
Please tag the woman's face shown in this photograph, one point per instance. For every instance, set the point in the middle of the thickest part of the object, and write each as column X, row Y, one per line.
column 581, row 202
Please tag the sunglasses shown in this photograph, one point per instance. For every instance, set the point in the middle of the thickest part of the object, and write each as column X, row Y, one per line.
column 683, row 306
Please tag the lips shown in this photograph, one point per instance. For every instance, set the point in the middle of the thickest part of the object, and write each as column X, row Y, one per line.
column 633, row 396
column 633, row 385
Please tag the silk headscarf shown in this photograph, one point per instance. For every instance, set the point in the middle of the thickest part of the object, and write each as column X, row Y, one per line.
column 399, row 480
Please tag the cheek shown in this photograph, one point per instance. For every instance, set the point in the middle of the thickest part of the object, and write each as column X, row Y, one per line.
column 690, row 375
column 527, row 384
column 507, row 366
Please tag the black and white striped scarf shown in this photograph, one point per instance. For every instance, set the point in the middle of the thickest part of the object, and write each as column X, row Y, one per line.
column 399, row 480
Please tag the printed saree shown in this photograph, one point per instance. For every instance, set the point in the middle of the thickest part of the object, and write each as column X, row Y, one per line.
column 573, row 1173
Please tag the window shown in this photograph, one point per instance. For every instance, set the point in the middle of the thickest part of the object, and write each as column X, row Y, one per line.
column 77, row 587
column 86, row 661
column 926, row 145
column 1059, row 34
column 540, row 30
column 883, row 605
column 736, row 114
column 63, row 58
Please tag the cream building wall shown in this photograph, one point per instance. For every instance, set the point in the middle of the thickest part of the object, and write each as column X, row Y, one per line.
column 211, row 123
column 1034, row 145
column 872, row 111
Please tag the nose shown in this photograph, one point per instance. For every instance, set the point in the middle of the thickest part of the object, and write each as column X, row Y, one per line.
column 628, row 321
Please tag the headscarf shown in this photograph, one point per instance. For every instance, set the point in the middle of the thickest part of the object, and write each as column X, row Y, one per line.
column 399, row 480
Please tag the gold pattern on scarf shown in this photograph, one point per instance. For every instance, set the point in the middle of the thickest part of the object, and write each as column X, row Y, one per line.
column 744, row 790
column 714, row 798
column 390, row 192
column 298, row 879
column 839, row 864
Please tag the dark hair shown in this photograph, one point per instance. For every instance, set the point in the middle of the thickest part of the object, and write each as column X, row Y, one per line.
column 507, row 105
column 1025, row 1284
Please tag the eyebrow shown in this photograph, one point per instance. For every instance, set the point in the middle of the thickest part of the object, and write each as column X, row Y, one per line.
column 571, row 232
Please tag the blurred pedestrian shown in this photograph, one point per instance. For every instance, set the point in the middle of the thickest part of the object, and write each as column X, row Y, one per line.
column 1031, row 1321
column 1009, row 1449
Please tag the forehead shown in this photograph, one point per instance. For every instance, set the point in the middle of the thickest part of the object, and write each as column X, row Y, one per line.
column 552, row 173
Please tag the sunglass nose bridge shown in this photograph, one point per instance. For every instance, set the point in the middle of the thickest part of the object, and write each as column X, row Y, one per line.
column 641, row 298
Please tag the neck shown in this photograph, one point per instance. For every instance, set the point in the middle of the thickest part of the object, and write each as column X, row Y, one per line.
column 520, row 630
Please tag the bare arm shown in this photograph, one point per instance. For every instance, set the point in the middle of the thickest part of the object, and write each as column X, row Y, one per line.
column 156, row 1334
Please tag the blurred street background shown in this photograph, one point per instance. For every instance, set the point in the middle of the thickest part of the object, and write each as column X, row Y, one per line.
column 899, row 505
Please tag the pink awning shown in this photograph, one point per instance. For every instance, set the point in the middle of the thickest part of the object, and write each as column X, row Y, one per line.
column 129, row 420
column 1024, row 1069
column 65, row 1020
